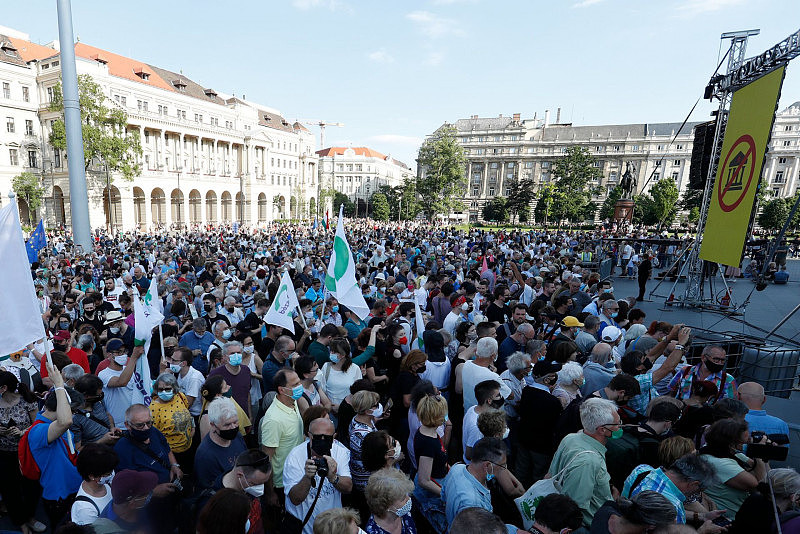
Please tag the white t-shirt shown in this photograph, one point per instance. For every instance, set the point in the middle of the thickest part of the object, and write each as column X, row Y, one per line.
column 294, row 469
column 116, row 400
column 85, row 513
column 527, row 295
column 471, row 432
column 190, row 385
column 336, row 384
column 452, row 321
column 471, row 375
column 113, row 297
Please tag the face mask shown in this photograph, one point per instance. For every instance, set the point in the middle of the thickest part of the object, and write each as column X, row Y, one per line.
column 614, row 315
column 506, row 433
column 255, row 491
column 309, row 315
column 403, row 340
column 106, row 479
column 247, row 524
column 334, row 357
column 208, row 307
column 714, row 367
column 226, row 334
column 235, row 359
column 121, row 359
column 175, row 368
column 140, row 435
column 322, row 444
column 616, row 434
column 404, row 510
column 490, row 476
column 497, row 403
column 166, row 396
column 228, row 434
column 249, row 349
column 422, row 369
column 297, row 391
column 114, row 330
column 377, row 412
column 609, row 290
column 228, row 393
column 199, row 336
column 397, row 450
column 583, row 286
column 335, row 309
column 64, row 325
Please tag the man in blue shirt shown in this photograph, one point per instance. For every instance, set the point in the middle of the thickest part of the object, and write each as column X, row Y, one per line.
column 143, row 448
column 198, row 341
column 218, row 451
column 314, row 293
column 466, row 486
column 752, row 394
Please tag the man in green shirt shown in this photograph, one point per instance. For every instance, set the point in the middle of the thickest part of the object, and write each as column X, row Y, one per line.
column 580, row 461
column 281, row 427
column 319, row 347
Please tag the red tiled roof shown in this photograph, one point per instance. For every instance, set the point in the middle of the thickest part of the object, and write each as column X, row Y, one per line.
column 359, row 150
column 30, row 51
column 123, row 67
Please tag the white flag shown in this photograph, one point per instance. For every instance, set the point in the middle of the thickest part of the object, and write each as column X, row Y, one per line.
column 420, row 326
column 147, row 315
column 285, row 302
column 340, row 280
column 20, row 314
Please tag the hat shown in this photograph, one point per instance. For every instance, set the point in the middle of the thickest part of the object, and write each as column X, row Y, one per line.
column 544, row 368
column 570, row 321
column 128, row 484
column 634, row 331
column 544, row 270
column 380, row 276
column 114, row 344
column 611, row 334
column 113, row 316
column 61, row 335
column 459, row 301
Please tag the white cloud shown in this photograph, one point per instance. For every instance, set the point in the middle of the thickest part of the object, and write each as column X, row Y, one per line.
column 697, row 7
column 395, row 139
column 586, row 3
column 435, row 26
column 434, row 59
column 380, row 56
column 306, row 5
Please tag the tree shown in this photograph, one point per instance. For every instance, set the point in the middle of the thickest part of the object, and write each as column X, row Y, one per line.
column 607, row 209
column 340, row 198
column 380, row 207
column 27, row 186
column 495, row 210
column 692, row 198
column 644, row 210
column 105, row 135
column 520, row 197
column 548, row 198
column 774, row 213
column 574, row 171
column 442, row 179
column 664, row 194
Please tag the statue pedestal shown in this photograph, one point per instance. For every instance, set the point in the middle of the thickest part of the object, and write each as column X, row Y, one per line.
column 623, row 210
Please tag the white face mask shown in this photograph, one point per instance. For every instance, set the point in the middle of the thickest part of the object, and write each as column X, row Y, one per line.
column 121, row 359
column 248, row 349
column 377, row 412
column 506, row 433
column 397, row 450
column 255, row 491
column 106, row 479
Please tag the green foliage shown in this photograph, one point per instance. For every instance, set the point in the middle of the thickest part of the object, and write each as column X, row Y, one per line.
column 495, row 210
column 607, row 209
column 664, row 194
column 443, row 181
column 774, row 213
column 548, row 198
column 692, row 198
column 105, row 136
column 694, row 215
column 340, row 198
column 380, row 207
column 644, row 210
column 518, row 203
column 402, row 200
column 574, row 172
column 27, row 186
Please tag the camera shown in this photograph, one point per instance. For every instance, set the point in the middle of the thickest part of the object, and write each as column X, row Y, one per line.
column 322, row 467
column 767, row 452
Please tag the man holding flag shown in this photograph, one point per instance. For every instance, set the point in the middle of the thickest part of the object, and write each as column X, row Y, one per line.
column 36, row 242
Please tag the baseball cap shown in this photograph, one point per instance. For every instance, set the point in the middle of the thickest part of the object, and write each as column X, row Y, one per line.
column 611, row 334
column 61, row 335
column 114, row 344
column 570, row 321
column 129, row 484
column 544, row 368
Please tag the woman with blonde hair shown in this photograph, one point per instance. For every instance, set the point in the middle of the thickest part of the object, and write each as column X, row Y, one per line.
column 337, row 521
column 389, row 500
column 431, row 459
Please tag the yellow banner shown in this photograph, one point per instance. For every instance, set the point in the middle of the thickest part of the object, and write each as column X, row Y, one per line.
column 739, row 170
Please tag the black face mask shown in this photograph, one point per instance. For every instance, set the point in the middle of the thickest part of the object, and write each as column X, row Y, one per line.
column 647, row 364
column 140, row 435
column 58, row 346
column 422, row 369
column 322, row 444
column 168, row 351
column 229, row 434
column 208, row 307
column 714, row 367
column 497, row 403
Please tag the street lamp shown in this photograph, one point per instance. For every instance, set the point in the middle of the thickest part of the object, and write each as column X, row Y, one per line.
column 110, row 205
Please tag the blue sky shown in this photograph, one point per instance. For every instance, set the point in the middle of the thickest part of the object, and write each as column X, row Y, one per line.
column 392, row 72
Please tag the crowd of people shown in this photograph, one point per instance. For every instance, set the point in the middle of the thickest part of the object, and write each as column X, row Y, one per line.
column 530, row 371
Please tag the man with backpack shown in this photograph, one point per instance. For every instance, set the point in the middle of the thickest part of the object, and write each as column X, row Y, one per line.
column 47, row 452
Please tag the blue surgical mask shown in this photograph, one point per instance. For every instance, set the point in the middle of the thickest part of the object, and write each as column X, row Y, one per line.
column 226, row 334
column 334, row 309
column 490, row 476
column 614, row 315
column 235, row 358
column 297, row 391
column 334, row 357
column 166, row 396
column 247, row 527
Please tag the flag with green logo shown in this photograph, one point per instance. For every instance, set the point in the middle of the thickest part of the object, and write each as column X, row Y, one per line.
column 284, row 303
column 340, row 280
column 147, row 315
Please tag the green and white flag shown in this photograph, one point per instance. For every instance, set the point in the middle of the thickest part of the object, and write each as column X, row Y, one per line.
column 279, row 312
column 147, row 315
column 340, row 280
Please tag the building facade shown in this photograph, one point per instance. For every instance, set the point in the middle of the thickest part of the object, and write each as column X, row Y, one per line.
column 358, row 172
column 207, row 157
column 500, row 150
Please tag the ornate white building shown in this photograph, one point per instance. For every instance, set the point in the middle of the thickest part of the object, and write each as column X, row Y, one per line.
column 358, row 172
column 502, row 149
column 207, row 157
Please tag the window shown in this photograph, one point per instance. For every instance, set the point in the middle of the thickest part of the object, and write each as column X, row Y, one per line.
column 32, row 159
column 6, row 90
column 10, row 124
column 617, row 148
column 596, row 164
column 776, row 191
column 781, row 160
column 680, row 147
column 13, row 156
column 497, row 151
column 512, row 150
column 479, row 151
column 510, row 165
column 676, row 163
column 28, row 127
column 787, row 128
column 528, row 164
column 498, row 138
column 660, row 147
column 779, row 177
column 612, row 176
column 508, row 191
column 476, row 191
column 55, row 63
column 787, row 143
column 491, row 191
column 598, row 148
column 510, row 176
column 197, row 118
column 46, row 66
column 340, row 167
column 656, row 176
column 50, row 94
column 123, row 100
column 493, row 165
column 675, row 175
column 349, row 167
column 636, row 148
column 545, row 164
column 358, row 167
column 26, row 93
column 57, row 159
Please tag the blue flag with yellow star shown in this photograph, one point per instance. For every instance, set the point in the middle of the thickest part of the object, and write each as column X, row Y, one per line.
column 36, row 242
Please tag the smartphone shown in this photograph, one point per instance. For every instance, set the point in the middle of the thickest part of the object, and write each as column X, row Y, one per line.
column 722, row 521
column 389, row 405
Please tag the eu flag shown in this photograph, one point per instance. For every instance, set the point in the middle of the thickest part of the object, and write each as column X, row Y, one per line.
column 36, row 242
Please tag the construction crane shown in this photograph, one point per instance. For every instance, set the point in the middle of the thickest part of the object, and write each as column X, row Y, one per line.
column 322, row 125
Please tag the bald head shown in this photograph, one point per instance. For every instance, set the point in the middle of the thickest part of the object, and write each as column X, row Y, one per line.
column 601, row 353
column 526, row 330
column 752, row 394
column 320, row 426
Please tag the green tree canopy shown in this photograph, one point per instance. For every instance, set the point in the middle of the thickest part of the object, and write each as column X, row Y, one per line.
column 380, row 207
column 105, row 135
column 774, row 213
column 340, row 198
column 607, row 209
column 27, row 186
column 518, row 203
column 574, row 173
column 664, row 194
column 495, row 210
column 442, row 181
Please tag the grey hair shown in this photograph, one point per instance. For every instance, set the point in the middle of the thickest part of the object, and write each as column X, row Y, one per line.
column 596, row 413
column 525, row 328
column 570, row 372
column 217, row 324
column 199, row 323
column 517, row 361
column 708, row 348
column 220, row 409
column 282, row 343
column 72, row 371
column 653, row 508
column 785, row 481
column 692, row 467
column 534, row 345
column 486, row 347
column 608, row 303
column 230, row 300
column 85, row 341
column 446, row 336
column 590, row 322
column 168, row 379
column 600, row 353
column 386, row 486
column 229, row 344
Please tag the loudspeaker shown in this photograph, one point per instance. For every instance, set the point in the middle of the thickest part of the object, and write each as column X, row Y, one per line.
column 701, row 154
